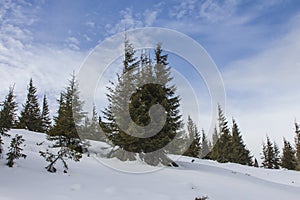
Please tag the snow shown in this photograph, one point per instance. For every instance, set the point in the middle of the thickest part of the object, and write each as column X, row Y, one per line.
column 99, row 178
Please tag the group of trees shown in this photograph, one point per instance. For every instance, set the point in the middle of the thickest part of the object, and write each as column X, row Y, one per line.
column 290, row 157
column 228, row 146
column 133, row 122
column 63, row 133
column 199, row 145
column 32, row 117
column 8, row 121
column 142, row 85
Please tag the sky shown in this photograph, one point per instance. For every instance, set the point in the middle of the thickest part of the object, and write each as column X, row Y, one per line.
column 255, row 46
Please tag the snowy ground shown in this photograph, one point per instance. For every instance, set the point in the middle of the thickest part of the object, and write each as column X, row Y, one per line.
column 90, row 179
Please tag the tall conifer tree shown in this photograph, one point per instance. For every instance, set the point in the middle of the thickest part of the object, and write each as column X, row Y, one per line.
column 288, row 159
column 240, row 153
column 31, row 113
column 297, row 145
column 64, row 132
column 194, row 134
column 45, row 117
column 204, row 145
column 222, row 150
column 121, row 101
column 8, row 110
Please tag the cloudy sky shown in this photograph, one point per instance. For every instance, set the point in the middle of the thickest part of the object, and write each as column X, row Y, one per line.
column 254, row 44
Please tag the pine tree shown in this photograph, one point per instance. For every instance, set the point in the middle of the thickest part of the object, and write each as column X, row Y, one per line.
column 64, row 132
column 276, row 161
column 268, row 155
column 15, row 150
column 240, row 153
column 222, row 150
column 205, row 149
column 70, row 116
column 8, row 111
column 45, row 117
column 31, row 114
column 297, row 145
column 7, row 116
column 116, row 114
column 194, row 148
column 288, row 159
column 128, row 100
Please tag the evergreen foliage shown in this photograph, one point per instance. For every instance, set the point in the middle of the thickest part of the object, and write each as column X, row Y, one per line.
column 270, row 156
column 91, row 129
column 240, row 153
column 215, row 136
column 8, row 110
column 31, row 113
column 15, row 150
column 7, row 116
column 288, row 159
column 205, row 149
column 64, row 132
column 131, row 95
column 276, row 156
column 297, row 145
column 63, row 155
column 45, row 117
column 194, row 148
column 222, row 150
column 69, row 118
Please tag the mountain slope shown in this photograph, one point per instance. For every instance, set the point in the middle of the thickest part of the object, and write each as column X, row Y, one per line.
column 91, row 179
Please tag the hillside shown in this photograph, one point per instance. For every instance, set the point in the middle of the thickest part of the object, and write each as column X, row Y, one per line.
column 91, row 179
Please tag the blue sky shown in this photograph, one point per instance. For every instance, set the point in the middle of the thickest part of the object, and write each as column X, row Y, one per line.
column 255, row 45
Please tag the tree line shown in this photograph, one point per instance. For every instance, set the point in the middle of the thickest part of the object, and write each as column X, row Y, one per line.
column 145, row 81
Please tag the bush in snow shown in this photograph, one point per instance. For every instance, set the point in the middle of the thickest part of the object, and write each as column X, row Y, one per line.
column 63, row 154
column 15, row 151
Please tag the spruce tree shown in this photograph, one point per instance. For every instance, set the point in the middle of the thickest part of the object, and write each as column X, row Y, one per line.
column 31, row 114
column 297, row 145
column 222, row 150
column 116, row 114
column 205, row 149
column 240, row 153
column 64, row 132
column 45, row 117
column 69, row 117
column 8, row 110
column 194, row 148
column 15, row 150
column 268, row 155
column 276, row 161
column 128, row 96
column 288, row 159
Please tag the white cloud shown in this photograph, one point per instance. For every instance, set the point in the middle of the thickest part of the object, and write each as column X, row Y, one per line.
column 73, row 43
column 264, row 90
column 210, row 10
column 22, row 59
column 130, row 19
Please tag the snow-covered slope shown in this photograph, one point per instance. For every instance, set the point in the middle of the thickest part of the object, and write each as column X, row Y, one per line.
column 89, row 179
